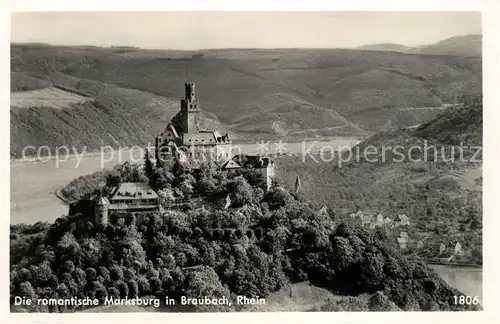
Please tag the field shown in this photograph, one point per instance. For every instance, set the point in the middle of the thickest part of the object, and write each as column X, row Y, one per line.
column 48, row 98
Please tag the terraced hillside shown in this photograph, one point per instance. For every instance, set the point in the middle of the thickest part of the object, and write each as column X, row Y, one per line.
column 51, row 97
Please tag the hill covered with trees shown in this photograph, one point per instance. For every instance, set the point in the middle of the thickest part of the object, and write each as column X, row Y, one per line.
column 257, row 246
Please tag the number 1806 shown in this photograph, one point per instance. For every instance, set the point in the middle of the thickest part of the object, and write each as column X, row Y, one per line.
column 465, row 300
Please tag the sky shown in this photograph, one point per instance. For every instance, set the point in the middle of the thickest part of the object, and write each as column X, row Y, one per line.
column 199, row 30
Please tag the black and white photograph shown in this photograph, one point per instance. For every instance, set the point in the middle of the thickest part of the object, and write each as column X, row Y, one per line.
column 231, row 161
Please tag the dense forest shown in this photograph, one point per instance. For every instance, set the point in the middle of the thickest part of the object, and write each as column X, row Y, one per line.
column 262, row 242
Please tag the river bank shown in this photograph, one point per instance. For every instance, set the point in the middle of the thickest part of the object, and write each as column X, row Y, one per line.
column 124, row 150
column 59, row 195
column 448, row 264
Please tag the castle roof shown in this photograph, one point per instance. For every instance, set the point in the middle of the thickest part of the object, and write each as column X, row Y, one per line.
column 253, row 161
column 133, row 190
column 204, row 138
column 102, row 201
column 170, row 127
column 230, row 164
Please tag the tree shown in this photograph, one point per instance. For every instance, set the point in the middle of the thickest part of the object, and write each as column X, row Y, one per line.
column 113, row 292
column 205, row 282
column 143, row 284
column 122, row 288
column 149, row 169
column 62, row 291
column 116, row 273
column 155, row 284
column 90, row 274
column 242, row 193
column 133, row 288
column 104, row 273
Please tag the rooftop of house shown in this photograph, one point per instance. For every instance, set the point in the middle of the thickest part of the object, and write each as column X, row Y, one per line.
column 403, row 217
column 204, row 138
column 253, row 161
column 402, row 240
column 133, row 190
column 230, row 164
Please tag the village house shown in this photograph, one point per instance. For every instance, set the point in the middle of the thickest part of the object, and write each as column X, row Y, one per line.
column 403, row 240
column 262, row 167
column 323, row 211
column 369, row 219
column 388, row 221
column 402, row 220
column 448, row 249
column 420, row 245
column 438, row 248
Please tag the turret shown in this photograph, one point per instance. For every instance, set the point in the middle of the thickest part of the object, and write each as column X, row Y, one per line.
column 158, row 145
column 101, row 209
column 190, row 91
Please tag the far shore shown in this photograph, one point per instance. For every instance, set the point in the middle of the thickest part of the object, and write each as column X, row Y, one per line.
column 95, row 153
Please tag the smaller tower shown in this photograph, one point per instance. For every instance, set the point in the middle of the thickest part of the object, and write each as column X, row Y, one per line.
column 298, row 185
column 158, row 146
column 101, row 209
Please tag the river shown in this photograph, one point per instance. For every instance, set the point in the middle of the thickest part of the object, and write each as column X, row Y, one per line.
column 33, row 185
column 466, row 279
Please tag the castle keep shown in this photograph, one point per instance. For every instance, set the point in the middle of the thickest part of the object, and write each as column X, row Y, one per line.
column 183, row 137
column 184, row 140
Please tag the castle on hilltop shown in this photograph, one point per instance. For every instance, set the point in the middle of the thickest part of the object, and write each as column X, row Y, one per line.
column 183, row 137
column 185, row 140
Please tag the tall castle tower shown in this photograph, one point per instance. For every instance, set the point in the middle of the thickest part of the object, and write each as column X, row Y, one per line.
column 190, row 108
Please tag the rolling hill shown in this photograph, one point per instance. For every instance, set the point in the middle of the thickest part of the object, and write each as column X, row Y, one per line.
column 252, row 93
column 467, row 45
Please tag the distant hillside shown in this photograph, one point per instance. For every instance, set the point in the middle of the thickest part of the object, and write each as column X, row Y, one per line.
column 442, row 196
column 287, row 115
column 116, row 117
column 467, row 45
column 385, row 47
column 255, row 92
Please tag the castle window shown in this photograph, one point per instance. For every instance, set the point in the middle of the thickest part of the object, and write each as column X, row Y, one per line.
column 190, row 106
